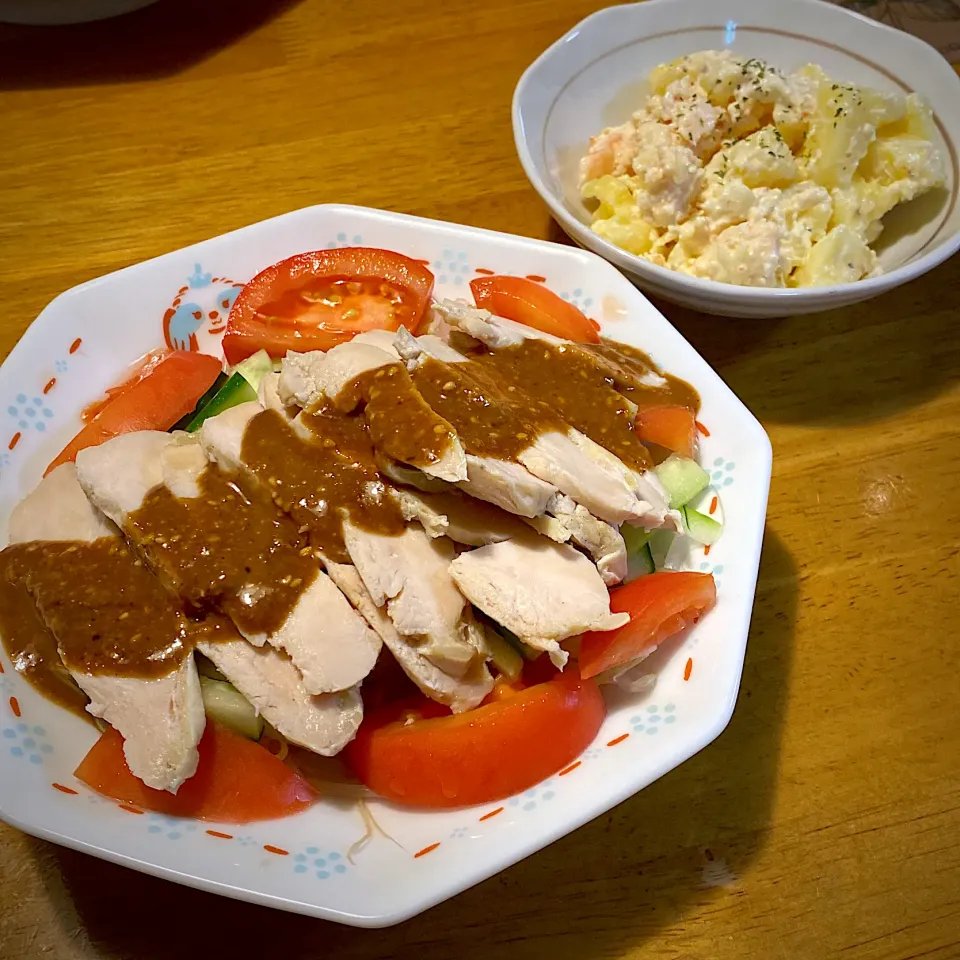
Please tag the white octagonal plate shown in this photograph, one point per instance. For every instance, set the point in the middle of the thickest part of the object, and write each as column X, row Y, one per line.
column 85, row 340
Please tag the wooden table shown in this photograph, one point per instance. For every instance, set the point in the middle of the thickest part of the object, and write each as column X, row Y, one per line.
column 826, row 820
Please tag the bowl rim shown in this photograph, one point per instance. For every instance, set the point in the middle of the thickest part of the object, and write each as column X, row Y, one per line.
column 692, row 286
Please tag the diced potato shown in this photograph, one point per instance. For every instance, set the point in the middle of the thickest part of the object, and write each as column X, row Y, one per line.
column 911, row 161
column 631, row 234
column 916, row 121
column 883, row 107
column 617, row 219
column 840, row 257
column 761, row 160
column 840, row 134
column 805, row 209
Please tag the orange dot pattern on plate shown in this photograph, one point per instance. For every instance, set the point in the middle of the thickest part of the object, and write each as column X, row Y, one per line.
column 492, row 813
column 573, row 766
column 15, row 706
column 706, row 550
column 63, row 789
column 688, row 669
column 75, row 346
column 616, row 740
column 222, row 836
column 702, row 428
column 536, row 278
column 128, row 809
column 426, row 850
column 279, row 851
column 485, row 272
column 713, row 506
column 50, row 384
column 14, row 440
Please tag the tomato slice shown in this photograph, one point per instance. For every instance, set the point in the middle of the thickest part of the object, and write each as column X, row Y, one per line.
column 533, row 304
column 673, row 427
column 660, row 605
column 155, row 400
column 486, row 754
column 237, row 780
column 314, row 301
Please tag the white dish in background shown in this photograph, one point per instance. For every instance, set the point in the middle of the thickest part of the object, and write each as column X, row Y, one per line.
column 593, row 77
column 84, row 341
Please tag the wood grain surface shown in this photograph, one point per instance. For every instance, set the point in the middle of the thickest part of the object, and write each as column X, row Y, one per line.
column 825, row 822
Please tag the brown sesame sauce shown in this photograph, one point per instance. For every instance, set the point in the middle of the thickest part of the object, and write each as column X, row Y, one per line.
column 103, row 611
column 401, row 423
column 32, row 649
column 500, row 401
column 225, row 550
column 322, row 478
column 631, row 371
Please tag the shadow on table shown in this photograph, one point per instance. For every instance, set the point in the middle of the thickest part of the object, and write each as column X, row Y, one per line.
column 672, row 850
column 862, row 363
column 156, row 41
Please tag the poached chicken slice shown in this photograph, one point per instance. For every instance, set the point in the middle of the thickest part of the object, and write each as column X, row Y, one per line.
column 458, row 693
column 329, row 643
column 161, row 719
column 542, row 591
column 406, row 574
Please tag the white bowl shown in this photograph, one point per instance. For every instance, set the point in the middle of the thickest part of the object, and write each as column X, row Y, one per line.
column 84, row 341
column 592, row 77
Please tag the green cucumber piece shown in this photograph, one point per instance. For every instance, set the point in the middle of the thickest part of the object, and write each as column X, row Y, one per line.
column 700, row 527
column 634, row 538
column 235, row 391
column 255, row 368
column 682, row 478
column 506, row 658
column 224, row 703
column 528, row 653
column 639, row 557
column 660, row 543
column 218, row 384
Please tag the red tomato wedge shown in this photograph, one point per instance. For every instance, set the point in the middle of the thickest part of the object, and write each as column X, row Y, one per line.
column 155, row 401
column 531, row 303
column 673, row 427
column 486, row 754
column 237, row 780
column 660, row 605
column 314, row 301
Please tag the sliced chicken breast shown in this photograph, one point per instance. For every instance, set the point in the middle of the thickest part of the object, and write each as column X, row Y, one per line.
column 542, row 591
column 569, row 462
column 459, row 694
column 329, row 642
column 570, row 521
column 160, row 719
column 387, row 392
column 407, row 574
column 269, row 680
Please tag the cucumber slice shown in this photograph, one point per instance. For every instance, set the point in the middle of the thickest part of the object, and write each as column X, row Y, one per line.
column 218, row 384
column 639, row 557
column 640, row 563
column 683, row 479
column 660, row 543
column 528, row 653
column 224, row 703
column 506, row 658
column 700, row 527
column 235, row 391
column 708, row 503
column 255, row 368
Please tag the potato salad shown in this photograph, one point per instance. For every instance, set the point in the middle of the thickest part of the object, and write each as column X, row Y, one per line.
column 738, row 172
